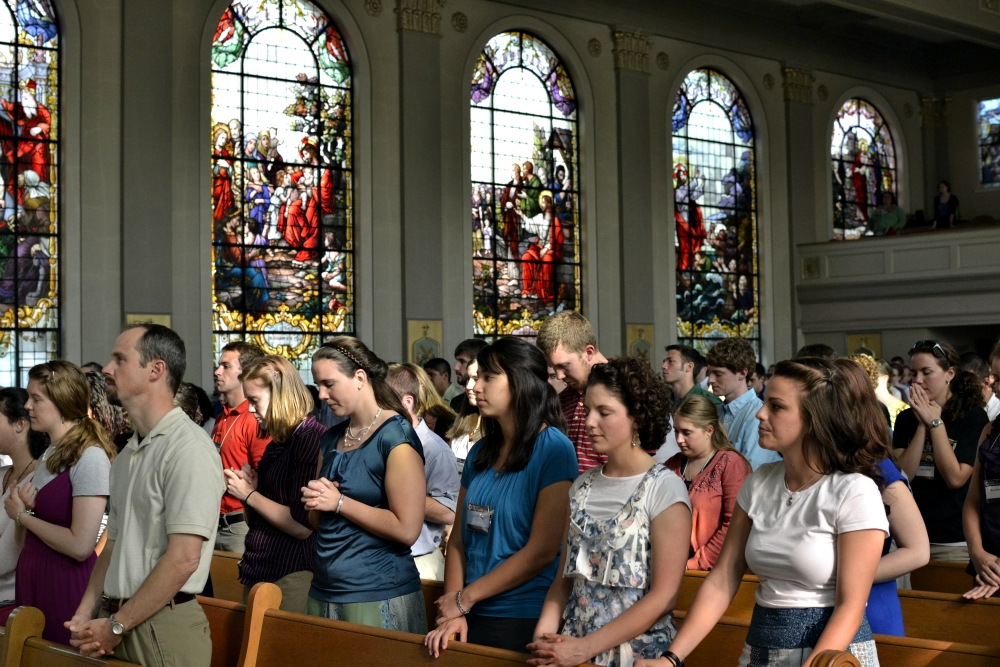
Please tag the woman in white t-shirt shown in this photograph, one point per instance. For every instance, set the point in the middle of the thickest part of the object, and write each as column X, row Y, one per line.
column 623, row 561
column 23, row 446
column 810, row 526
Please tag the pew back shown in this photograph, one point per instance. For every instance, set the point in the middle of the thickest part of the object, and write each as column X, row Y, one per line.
column 226, row 576
column 225, row 621
column 939, row 577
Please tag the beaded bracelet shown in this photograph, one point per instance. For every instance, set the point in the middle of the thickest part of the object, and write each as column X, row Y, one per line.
column 458, row 603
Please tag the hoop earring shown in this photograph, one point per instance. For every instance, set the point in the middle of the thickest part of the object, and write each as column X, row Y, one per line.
column 635, row 440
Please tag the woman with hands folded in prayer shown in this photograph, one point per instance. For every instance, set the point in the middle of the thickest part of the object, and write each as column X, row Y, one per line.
column 367, row 506
column 629, row 523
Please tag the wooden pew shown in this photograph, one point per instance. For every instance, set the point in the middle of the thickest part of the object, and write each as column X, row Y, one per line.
column 939, row 577
column 24, row 647
column 226, row 576
column 225, row 621
column 950, row 617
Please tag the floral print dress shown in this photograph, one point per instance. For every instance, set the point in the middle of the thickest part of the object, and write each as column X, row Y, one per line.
column 609, row 563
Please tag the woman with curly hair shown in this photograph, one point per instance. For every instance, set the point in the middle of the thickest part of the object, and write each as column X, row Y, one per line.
column 936, row 442
column 503, row 554
column 811, row 525
column 113, row 418
column 713, row 472
column 622, row 564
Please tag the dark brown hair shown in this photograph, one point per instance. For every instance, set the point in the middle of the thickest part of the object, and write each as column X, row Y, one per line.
column 966, row 390
column 532, row 400
column 351, row 355
column 643, row 393
column 845, row 429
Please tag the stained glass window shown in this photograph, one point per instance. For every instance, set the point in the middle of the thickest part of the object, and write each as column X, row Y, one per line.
column 989, row 142
column 864, row 167
column 29, row 230
column 282, row 234
column 715, row 213
column 524, row 194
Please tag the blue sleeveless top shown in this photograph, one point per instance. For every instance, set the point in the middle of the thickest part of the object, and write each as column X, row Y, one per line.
column 353, row 565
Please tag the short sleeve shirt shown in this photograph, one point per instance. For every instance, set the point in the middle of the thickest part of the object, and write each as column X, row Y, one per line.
column 512, row 496
column 941, row 506
column 792, row 547
column 169, row 483
column 239, row 440
column 441, row 470
column 90, row 476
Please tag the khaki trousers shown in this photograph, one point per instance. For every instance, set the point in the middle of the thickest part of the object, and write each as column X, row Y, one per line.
column 294, row 591
column 175, row 636
column 431, row 566
column 231, row 537
column 941, row 552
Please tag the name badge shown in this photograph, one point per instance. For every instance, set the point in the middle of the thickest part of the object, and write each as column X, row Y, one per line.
column 478, row 518
column 992, row 488
column 925, row 471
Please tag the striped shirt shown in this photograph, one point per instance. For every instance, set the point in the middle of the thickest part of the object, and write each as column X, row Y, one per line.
column 285, row 468
column 576, row 429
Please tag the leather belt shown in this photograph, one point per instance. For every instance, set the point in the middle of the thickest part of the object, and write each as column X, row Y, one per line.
column 112, row 605
column 226, row 520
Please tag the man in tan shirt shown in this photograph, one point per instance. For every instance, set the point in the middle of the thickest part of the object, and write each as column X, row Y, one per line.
column 165, row 491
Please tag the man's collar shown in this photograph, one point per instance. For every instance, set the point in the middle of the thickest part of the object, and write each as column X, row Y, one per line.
column 166, row 423
column 239, row 409
column 746, row 397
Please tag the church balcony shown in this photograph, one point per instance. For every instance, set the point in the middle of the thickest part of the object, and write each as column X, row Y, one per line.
column 940, row 278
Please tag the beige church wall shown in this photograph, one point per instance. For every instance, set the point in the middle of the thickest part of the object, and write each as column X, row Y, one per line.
column 963, row 155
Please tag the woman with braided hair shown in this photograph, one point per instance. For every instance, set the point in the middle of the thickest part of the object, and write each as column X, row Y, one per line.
column 367, row 505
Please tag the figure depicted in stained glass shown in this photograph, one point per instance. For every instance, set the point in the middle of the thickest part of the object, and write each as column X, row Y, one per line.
column 33, row 121
column 989, row 142
column 281, row 179
column 714, row 212
column 525, row 223
column 864, row 167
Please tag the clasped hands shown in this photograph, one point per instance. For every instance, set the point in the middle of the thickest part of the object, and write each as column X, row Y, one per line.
column 22, row 499
column 924, row 406
column 92, row 636
column 321, row 495
column 240, row 483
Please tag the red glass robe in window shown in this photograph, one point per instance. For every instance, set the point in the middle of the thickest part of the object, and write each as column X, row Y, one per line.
column 538, row 265
column 300, row 224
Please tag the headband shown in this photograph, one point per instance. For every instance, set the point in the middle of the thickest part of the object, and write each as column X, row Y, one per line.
column 352, row 358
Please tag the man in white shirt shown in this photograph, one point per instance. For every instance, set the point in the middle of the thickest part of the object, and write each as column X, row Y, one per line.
column 443, row 482
column 164, row 511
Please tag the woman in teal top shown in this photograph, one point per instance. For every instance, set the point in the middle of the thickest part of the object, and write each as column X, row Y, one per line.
column 367, row 506
column 514, row 501
column 888, row 218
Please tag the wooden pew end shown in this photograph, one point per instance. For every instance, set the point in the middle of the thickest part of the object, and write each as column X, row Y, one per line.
column 263, row 597
column 835, row 659
column 22, row 624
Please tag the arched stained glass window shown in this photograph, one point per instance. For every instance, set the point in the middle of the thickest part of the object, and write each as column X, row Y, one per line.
column 524, row 194
column 282, row 232
column 864, row 167
column 715, row 213
column 29, row 171
column 989, row 142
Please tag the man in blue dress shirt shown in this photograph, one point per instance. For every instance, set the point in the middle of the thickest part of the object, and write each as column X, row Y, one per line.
column 730, row 361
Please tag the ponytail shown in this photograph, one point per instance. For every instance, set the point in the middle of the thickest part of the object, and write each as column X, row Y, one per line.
column 966, row 394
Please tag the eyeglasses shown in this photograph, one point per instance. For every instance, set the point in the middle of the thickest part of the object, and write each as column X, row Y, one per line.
column 935, row 347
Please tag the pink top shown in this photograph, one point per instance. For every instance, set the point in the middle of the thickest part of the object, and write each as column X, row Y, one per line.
column 713, row 497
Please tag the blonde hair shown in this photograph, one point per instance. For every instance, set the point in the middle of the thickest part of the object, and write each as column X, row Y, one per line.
column 290, row 401
column 429, row 401
column 67, row 387
column 701, row 411
column 870, row 365
column 569, row 329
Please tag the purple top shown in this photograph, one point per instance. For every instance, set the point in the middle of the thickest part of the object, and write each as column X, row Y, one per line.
column 284, row 469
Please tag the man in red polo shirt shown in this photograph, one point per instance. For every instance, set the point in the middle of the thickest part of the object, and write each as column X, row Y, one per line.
column 237, row 436
column 568, row 342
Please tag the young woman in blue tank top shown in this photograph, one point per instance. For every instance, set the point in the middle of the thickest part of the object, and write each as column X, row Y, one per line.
column 367, row 506
column 503, row 554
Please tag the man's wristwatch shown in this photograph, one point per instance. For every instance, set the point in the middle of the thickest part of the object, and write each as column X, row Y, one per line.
column 116, row 627
column 935, row 423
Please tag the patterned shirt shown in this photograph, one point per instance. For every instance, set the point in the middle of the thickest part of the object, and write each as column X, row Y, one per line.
column 285, row 468
column 739, row 416
column 576, row 429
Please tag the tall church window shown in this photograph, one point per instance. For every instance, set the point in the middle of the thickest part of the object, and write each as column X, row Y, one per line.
column 864, row 167
column 989, row 142
column 29, row 171
column 282, row 195
column 715, row 213
column 524, row 193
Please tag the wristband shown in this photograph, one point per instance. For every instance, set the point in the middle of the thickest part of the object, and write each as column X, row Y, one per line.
column 458, row 603
column 247, row 499
column 339, row 504
column 673, row 658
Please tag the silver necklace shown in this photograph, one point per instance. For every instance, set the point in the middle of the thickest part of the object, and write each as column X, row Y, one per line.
column 791, row 494
column 349, row 434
